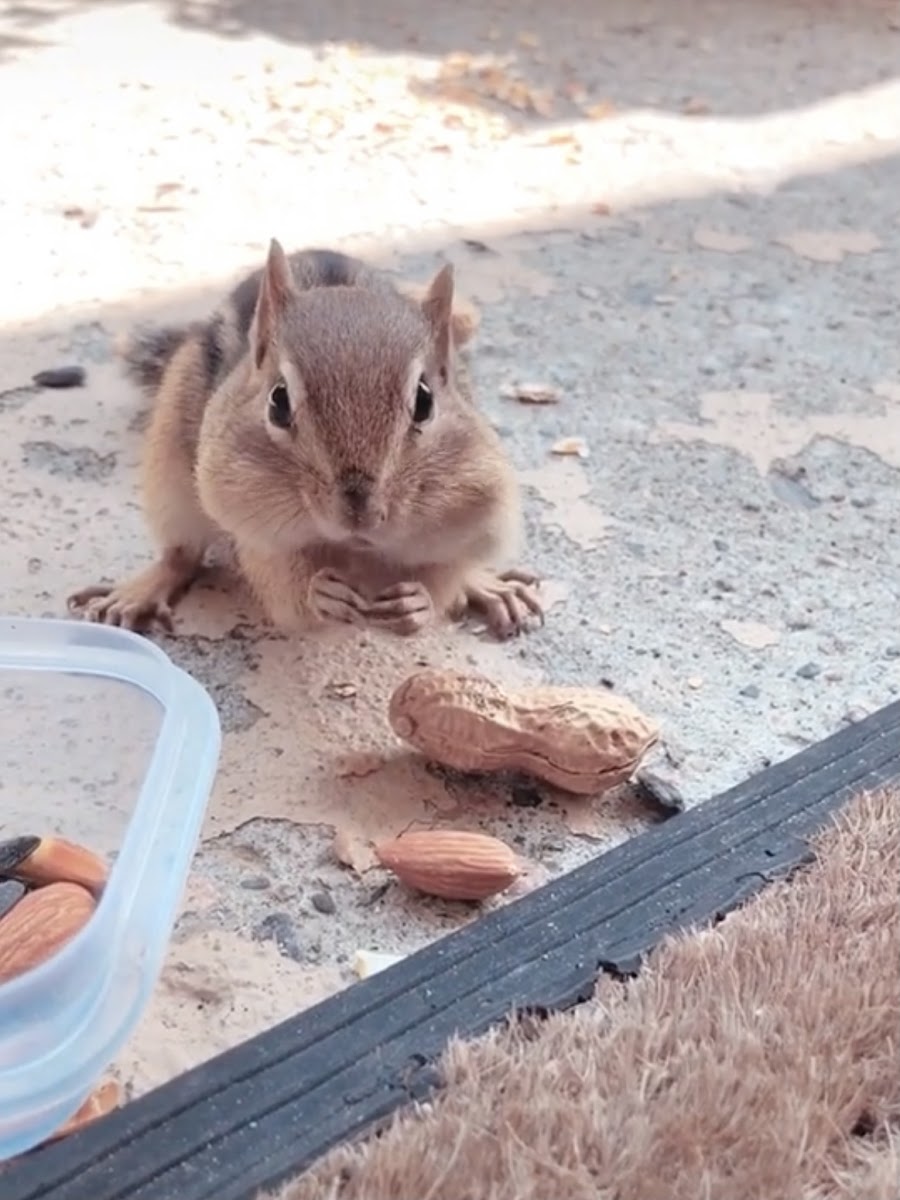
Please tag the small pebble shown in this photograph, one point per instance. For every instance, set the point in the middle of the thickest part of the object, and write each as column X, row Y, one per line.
column 855, row 714
column 323, row 902
column 279, row 928
column 587, row 292
column 751, row 691
column 255, row 883
column 60, row 377
column 892, row 651
column 721, row 545
column 808, row 671
column 796, row 624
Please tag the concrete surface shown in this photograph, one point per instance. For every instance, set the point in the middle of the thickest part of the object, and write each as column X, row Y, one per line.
column 685, row 217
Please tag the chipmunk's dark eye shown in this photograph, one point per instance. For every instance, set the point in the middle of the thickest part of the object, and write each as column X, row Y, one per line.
column 424, row 406
column 280, row 407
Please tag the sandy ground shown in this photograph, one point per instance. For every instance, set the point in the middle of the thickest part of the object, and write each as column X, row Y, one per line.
column 685, row 218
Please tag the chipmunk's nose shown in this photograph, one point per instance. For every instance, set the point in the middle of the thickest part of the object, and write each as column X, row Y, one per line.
column 357, row 488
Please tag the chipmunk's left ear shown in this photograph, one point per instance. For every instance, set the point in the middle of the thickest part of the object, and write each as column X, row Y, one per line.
column 437, row 305
column 275, row 291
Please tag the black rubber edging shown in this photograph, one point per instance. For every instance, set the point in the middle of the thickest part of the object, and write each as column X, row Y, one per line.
column 261, row 1112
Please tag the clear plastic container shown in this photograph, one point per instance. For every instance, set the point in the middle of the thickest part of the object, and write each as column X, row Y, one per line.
column 105, row 742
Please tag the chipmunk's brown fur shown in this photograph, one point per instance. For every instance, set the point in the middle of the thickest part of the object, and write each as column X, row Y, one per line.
column 319, row 419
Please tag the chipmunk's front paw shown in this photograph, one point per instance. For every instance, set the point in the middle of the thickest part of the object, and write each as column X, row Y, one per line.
column 129, row 605
column 405, row 608
column 508, row 600
column 331, row 598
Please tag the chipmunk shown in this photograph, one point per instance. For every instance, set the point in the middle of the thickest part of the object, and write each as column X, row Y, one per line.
column 321, row 420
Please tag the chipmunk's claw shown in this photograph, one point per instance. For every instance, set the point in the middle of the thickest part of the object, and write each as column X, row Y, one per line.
column 508, row 601
column 123, row 606
column 404, row 609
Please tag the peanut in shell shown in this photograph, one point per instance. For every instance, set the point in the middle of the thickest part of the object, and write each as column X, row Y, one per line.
column 582, row 740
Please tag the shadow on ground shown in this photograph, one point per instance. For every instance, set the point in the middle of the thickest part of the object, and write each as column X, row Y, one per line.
column 568, row 57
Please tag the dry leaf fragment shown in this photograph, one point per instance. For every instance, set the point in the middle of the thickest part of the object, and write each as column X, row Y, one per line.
column 370, row 962
column 601, row 111
column 751, row 633
column 534, row 875
column 564, row 137
column 571, row 446
column 582, row 817
column 341, row 691
column 829, row 246
column 724, row 243
column 533, row 393
column 359, row 764
column 352, row 850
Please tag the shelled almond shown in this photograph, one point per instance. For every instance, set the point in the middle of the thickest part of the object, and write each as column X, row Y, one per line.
column 49, row 890
column 102, row 1100
column 40, row 924
column 452, row 864
column 583, row 740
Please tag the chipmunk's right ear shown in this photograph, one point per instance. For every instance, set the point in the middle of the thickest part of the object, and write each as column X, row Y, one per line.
column 275, row 291
column 437, row 305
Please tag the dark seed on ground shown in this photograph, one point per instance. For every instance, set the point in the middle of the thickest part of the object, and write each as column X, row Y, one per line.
column 11, row 893
column 323, row 902
column 60, row 377
column 15, row 851
column 663, row 791
column 374, row 896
